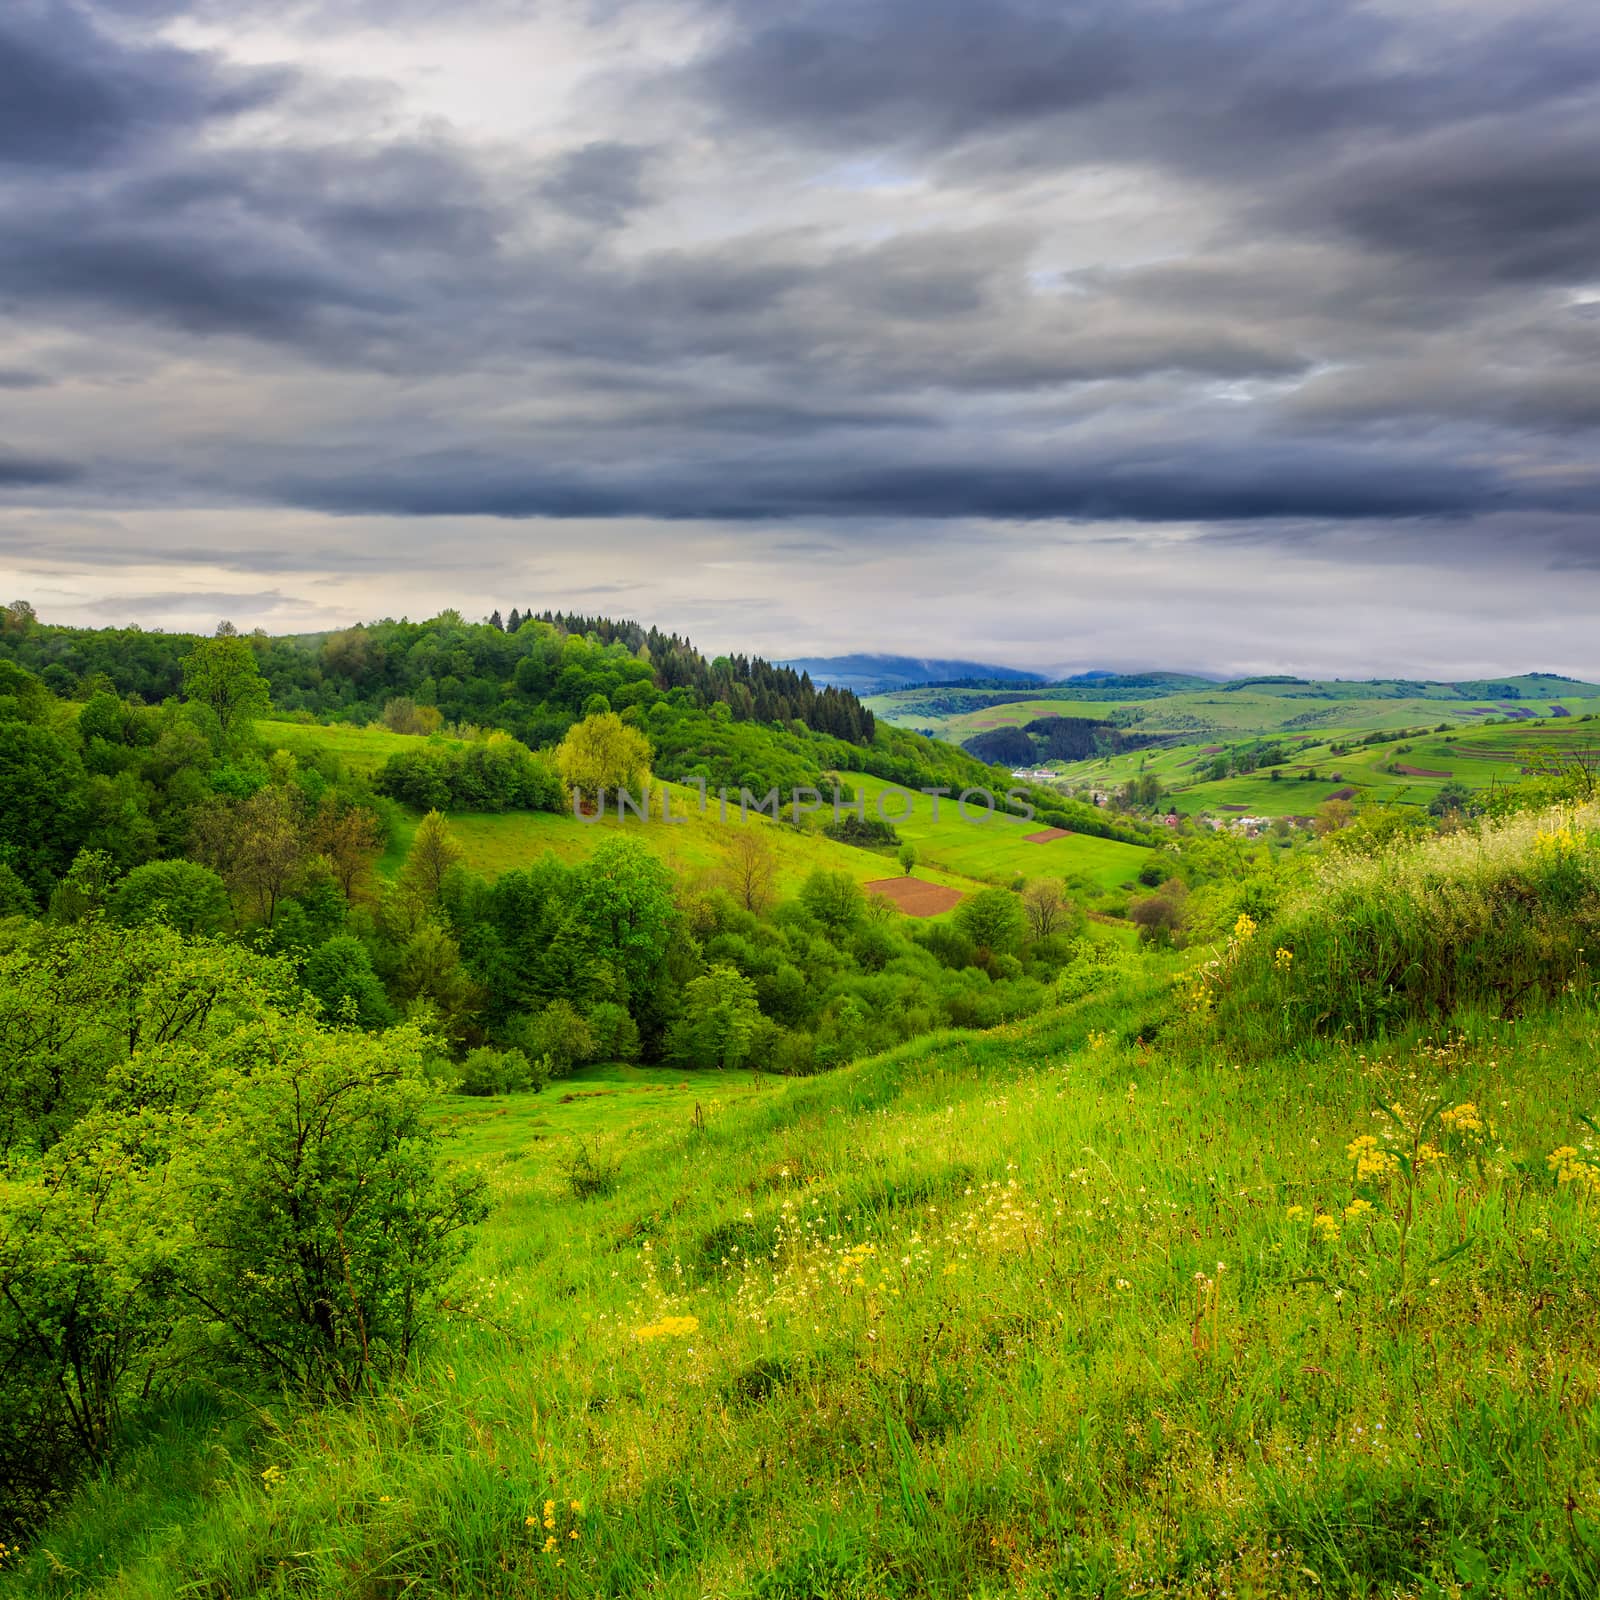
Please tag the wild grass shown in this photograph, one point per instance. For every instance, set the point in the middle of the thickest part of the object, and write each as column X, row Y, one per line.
column 1494, row 917
column 1082, row 1306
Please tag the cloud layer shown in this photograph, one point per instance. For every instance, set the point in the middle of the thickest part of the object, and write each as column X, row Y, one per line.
column 1310, row 290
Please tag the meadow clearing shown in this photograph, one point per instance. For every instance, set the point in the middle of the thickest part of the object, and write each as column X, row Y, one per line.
column 951, row 852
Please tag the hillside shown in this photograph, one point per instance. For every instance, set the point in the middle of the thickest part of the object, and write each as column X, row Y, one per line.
column 952, row 852
column 1292, row 777
column 1173, row 704
column 1137, row 1297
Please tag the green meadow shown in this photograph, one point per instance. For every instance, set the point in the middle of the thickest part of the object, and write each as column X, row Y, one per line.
column 1114, row 1302
column 951, row 851
column 1477, row 757
column 995, row 847
column 1255, row 708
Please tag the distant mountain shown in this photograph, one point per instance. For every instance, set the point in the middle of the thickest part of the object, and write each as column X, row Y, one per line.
column 868, row 674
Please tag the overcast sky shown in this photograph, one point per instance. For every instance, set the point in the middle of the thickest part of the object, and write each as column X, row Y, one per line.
column 1250, row 335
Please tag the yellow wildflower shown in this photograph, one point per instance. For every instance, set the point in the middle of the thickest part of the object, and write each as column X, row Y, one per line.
column 1575, row 1169
column 1295, row 1213
column 1327, row 1226
column 1357, row 1210
column 1371, row 1161
column 1283, row 959
column 668, row 1328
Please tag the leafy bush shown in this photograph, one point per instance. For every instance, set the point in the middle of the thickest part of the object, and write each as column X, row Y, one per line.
column 487, row 1071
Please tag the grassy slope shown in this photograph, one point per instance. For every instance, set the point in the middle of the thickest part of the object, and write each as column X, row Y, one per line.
column 1230, row 713
column 1474, row 756
column 940, row 1324
column 962, row 856
column 995, row 847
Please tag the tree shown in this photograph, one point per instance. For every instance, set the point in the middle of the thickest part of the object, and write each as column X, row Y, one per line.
column 719, row 1021
column 602, row 753
column 1044, row 907
column 992, row 919
column 1160, row 916
column 339, row 974
column 558, row 1035
column 1332, row 815
column 318, row 1222
column 350, row 837
column 256, row 844
column 223, row 673
column 907, row 857
column 402, row 714
column 623, row 896
column 433, row 853
column 183, row 894
column 41, row 803
column 833, row 898
column 752, row 867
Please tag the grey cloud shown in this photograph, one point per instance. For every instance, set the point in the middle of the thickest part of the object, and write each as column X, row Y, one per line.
column 1180, row 484
column 75, row 95
column 19, row 470
column 600, row 182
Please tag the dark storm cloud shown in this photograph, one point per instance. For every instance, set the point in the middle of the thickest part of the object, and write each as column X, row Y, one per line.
column 600, row 182
column 73, row 95
column 1298, row 272
column 1218, row 84
column 1194, row 485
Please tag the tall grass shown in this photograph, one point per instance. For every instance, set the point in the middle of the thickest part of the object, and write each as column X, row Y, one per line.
column 1498, row 917
column 1044, row 1311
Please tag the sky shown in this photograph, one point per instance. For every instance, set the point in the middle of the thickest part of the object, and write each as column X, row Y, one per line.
column 1231, row 335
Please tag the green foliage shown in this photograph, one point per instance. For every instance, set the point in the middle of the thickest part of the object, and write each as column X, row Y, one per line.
column 623, row 895
column 993, row 920
column 834, row 899
column 558, row 1036
column 182, row 894
column 602, row 755
column 719, row 1020
column 198, row 1181
column 1497, row 916
column 223, row 675
column 492, row 774
column 42, row 803
column 487, row 1071
column 339, row 974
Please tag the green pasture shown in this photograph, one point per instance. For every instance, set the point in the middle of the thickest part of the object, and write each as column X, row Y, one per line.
column 1476, row 757
column 698, row 847
column 994, row 847
column 362, row 750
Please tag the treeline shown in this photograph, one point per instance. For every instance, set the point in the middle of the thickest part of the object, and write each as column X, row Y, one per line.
column 1058, row 739
column 533, row 681
column 752, row 689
